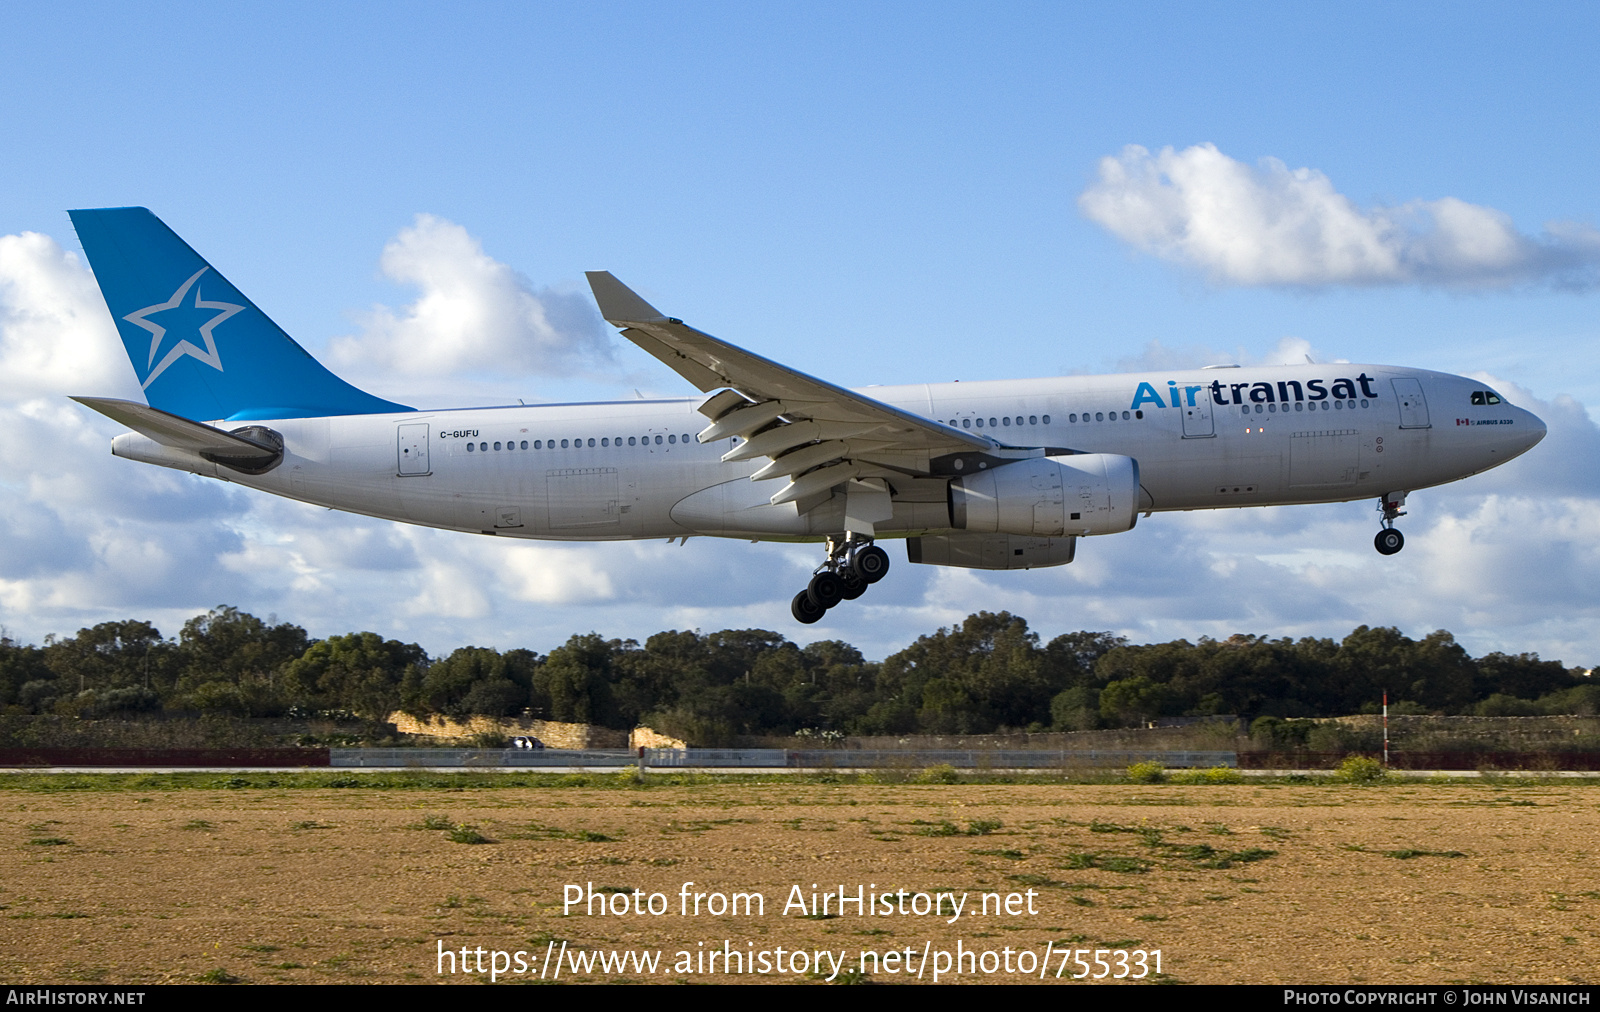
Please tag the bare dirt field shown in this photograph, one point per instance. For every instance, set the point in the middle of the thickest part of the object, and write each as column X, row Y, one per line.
column 1282, row 883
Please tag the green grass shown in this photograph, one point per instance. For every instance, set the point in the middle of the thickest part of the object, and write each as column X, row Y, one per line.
column 463, row 833
column 434, row 822
column 944, row 827
column 1122, row 863
column 218, row 976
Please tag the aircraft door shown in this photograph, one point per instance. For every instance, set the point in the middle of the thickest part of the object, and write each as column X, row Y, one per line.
column 413, row 449
column 1197, row 421
column 1413, row 406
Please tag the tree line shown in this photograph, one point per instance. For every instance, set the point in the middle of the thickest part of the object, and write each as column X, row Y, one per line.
column 990, row 673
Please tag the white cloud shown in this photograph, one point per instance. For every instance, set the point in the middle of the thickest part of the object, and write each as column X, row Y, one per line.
column 55, row 333
column 1271, row 225
column 472, row 314
column 1157, row 357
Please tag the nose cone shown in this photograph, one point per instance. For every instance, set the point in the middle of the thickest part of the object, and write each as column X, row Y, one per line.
column 1525, row 434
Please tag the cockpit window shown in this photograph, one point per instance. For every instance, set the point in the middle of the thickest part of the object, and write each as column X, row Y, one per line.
column 1485, row 397
column 1477, row 397
column 1494, row 398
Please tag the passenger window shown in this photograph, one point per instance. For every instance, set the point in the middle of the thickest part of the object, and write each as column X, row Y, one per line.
column 1124, row 416
column 1074, row 417
column 980, row 423
column 524, row 444
column 1005, row 421
column 1033, row 420
column 991, row 423
column 538, row 444
column 483, row 446
column 1047, row 419
column 563, row 444
column 497, row 445
column 966, row 423
column 658, row 440
column 471, row 447
column 630, row 441
column 684, row 437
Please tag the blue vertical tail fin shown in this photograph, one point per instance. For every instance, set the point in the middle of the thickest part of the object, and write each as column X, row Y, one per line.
column 200, row 348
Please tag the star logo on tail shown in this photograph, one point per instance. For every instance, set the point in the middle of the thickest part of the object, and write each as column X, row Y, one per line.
column 188, row 315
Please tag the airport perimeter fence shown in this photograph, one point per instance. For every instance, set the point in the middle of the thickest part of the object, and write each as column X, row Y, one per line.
column 965, row 759
column 141, row 757
column 547, row 758
column 1453, row 761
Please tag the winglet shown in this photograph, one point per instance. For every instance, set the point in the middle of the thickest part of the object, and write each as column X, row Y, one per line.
column 620, row 304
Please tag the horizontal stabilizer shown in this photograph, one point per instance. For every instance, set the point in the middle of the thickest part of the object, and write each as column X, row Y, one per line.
column 182, row 434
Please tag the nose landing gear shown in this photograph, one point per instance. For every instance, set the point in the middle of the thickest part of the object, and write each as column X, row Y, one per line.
column 853, row 565
column 1390, row 540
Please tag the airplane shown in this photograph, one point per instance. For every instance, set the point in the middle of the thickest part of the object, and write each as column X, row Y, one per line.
column 992, row 475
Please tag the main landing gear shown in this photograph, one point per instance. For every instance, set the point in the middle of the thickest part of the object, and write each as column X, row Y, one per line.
column 853, row 565
column 1390, row 540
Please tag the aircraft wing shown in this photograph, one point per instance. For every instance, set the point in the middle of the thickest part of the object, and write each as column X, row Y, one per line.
column 816, row 434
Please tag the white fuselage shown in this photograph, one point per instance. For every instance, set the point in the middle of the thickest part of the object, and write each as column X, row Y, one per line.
column 632, row 469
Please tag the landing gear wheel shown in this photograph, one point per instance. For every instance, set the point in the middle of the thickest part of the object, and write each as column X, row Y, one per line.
column 872, row 563
column 825, row 590
column 804, row 609
column 1389, row 541
column 851, row 584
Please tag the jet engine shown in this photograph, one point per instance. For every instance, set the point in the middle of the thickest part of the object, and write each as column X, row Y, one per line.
column 1049, row 497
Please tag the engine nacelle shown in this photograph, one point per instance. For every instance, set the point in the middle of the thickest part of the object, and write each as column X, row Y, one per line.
column 1049, row 497
column 990, row 551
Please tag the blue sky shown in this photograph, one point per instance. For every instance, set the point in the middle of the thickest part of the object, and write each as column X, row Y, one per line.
column 871, row 193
